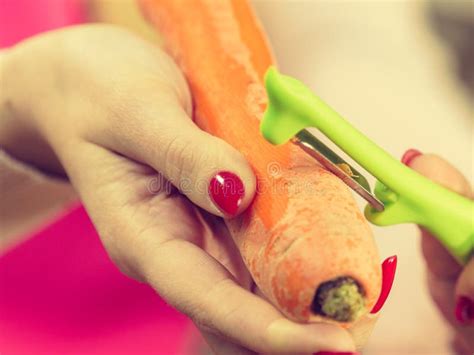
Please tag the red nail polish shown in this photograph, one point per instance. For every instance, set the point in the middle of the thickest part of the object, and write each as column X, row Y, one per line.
column 334, row 353
column 464, row 310
column 226, row 191
column 389, row 266
column 409, row 155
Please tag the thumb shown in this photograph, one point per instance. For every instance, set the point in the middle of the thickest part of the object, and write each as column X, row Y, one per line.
column 154, row 126
column 438, row 260
column 437, row 169
column 209, row 171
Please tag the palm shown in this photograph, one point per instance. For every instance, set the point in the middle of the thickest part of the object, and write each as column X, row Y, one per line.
column 154, row 205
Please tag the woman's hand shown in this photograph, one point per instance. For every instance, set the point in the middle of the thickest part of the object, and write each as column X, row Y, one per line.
column 113, row 113
column 451, row 286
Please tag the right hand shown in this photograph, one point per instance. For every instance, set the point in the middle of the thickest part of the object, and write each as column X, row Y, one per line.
column 451, row 286
column 113, row 113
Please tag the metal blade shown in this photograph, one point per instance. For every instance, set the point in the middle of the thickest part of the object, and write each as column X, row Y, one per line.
column 336, row 165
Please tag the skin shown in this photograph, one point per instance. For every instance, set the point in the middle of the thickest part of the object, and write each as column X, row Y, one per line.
column 446, row 279
column 112, row 114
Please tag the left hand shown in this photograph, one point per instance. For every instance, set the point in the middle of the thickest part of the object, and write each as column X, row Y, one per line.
column 113, row 113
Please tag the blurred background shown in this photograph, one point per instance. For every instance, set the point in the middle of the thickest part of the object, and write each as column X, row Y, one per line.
column 400, row 71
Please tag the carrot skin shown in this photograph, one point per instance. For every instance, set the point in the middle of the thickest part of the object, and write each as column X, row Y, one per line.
column 304, row 227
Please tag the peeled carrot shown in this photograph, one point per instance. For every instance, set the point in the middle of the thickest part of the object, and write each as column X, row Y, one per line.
column 304, row 240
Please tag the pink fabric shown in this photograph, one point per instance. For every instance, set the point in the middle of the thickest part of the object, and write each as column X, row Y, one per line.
column 20, row 19
column 60, row 294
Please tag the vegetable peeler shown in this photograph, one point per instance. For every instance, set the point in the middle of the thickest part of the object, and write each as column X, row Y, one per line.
column 401, row 195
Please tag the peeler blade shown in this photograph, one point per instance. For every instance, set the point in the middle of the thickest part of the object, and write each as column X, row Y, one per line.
column 336, row 165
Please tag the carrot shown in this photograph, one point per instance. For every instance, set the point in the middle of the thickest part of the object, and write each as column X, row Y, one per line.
column 305, row 242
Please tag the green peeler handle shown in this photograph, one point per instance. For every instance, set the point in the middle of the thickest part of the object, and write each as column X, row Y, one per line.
column 408, row 196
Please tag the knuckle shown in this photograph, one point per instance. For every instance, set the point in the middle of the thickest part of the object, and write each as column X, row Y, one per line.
column 182, row 159
column 175, row 158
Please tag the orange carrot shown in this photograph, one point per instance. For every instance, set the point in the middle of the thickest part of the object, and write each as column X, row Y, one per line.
column 306, row 244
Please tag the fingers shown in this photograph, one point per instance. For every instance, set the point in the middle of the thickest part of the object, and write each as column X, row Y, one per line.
column 220, row 345
column 442, row 293
column 454, row 311
column 201, row 288
column 460, row 346
column 362, row 330
column 464, row 311
column 158, row 238
column 218, row 243
column 438, row 260
column 445, row 272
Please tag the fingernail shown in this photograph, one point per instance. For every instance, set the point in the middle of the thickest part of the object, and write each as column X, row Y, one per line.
column 464, row 310
column 334, row 353
column 409, row 155
column 389, row 266
column 226, row 191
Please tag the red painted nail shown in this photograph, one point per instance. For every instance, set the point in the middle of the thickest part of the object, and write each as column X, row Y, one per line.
column 334, row 353
column 409, row 155
column 226, row 191
column 464, row 310
column 389, row 266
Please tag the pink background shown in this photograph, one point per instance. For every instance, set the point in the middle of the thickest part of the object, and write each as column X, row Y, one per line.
column 23, row 18
column 59, row 291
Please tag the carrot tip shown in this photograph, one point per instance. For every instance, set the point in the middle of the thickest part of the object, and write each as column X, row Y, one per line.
column 340, row 299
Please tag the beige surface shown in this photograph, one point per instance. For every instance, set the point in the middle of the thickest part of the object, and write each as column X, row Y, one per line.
column 377, row 63
column 125, row 13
